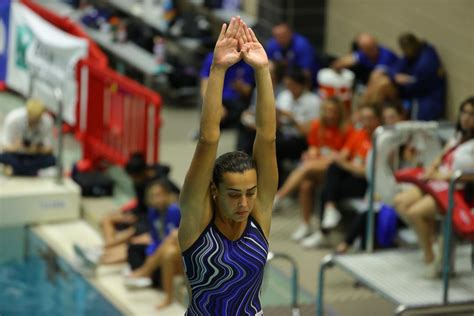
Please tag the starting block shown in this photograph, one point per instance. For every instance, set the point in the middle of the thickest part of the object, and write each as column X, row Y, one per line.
column 25, row 200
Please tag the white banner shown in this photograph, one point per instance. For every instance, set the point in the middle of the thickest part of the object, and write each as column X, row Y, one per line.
column 35, row 46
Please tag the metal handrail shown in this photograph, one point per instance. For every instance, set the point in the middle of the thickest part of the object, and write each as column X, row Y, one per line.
column 327, row 260
column 403, row 126
column 456, row 177
column 294, row 278
column 371, row 189
column 467, row 175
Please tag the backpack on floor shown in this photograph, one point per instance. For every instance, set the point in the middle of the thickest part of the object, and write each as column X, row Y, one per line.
column 93, row 183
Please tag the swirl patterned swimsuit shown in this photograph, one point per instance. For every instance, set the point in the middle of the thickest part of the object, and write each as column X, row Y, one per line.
column 225, row 276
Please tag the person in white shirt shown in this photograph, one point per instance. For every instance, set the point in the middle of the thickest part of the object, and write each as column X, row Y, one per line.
column 296, row 108
column 26, row 140
column 420, row 208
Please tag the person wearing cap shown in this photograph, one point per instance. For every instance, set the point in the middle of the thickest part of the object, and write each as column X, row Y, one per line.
column 26, row 140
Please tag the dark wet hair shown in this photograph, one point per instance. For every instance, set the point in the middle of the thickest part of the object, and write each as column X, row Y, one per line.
column 234, row 161
column 136, row 164
column 465, row 134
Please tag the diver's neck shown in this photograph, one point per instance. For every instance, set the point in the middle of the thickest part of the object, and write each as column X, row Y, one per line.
column 230, row 228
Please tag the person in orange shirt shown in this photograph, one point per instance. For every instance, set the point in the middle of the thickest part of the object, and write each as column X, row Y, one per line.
column 345, row 176
column 326, row 136
column 392, row 113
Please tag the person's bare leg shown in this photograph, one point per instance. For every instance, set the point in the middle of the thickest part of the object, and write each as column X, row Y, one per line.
column 306, row 199
column 121, row 238
column 108, row 228
column 309, row 168
column 404, row 200
column 117, row 254
column 387, row 91
column 372, row 86
column 379, row 89
column 421, row 215
column 108, row 224
column 292, row 182
column 155, row 260
column 171, row 266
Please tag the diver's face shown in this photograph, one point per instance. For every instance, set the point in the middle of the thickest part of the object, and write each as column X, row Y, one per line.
column 236, row 194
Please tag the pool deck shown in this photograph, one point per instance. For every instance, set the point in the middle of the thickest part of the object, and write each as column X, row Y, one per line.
column 108, row 279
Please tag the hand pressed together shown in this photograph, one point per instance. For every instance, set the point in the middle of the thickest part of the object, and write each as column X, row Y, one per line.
column 237, row 41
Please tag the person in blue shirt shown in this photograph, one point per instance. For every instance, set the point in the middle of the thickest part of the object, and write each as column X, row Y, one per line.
column 160, row 260
column 420, row 78
column 239, row 82
column 370, row 56
column 292, row 50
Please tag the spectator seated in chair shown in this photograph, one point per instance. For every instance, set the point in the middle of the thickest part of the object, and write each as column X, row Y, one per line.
column 392, row 113
column 345, row 177
column 418, row 78
column 289, row 49
column 120, row 228
column 369, row 55
column 159, row 261
column 419, row 208
column 325, row 138
column 26, row 140
column 296, row 108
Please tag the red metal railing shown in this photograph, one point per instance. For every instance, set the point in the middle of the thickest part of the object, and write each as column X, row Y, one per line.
column 116, row 116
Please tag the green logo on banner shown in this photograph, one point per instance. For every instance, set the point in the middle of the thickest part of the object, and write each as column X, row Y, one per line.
column 24, row 37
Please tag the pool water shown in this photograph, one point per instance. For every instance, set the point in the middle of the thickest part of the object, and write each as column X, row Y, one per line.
column 44, row 284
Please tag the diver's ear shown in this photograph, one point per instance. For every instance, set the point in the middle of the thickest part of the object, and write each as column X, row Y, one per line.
column 213, row 190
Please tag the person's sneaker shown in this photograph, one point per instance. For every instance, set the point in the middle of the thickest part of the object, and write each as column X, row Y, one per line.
column 317, row 239
column 88, row 257
column 331, row 218
column 137, row 283
column 301, row 232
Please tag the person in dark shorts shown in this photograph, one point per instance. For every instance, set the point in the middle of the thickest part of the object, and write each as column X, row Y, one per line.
column 158, row 262
column 130, row 226
column 25, row 140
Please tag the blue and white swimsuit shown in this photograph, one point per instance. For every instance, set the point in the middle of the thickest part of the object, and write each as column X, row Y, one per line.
column 225, row 276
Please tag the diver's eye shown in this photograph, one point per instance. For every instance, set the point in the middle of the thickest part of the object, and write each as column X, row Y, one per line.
column 234, row 195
